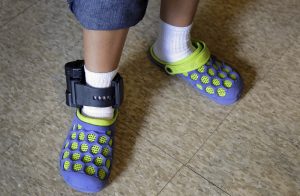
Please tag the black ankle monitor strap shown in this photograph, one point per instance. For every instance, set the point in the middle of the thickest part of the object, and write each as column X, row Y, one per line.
column 80, row 94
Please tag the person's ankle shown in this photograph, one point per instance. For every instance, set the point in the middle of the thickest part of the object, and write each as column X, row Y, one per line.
column 99, row 80
column 173, row 43
column 96, row 112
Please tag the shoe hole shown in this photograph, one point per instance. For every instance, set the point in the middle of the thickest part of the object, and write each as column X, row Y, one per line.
column 90, row 170
column 110, row 142
column 84, row 147
column 67, row 165
column 232, row 76
column 216, row 82
column 74, row 146
column 226, row 70
column 107, row 164
column 66, row 154
column 221, row 75
column 209, row 90
column 221, row 92
column 73, row 136
column 98, row 161
column 87, row 158
column 205, row 79
column 75, row 156
column 108, row 132
column 105, row 151
column 95, row 149
column 77, row 167
column 211, row 72
column 102, row 139
column 227, row 83
column 91, row 137
column 101, row 174
column 199, row 86
column 81, row 136
column 201, row 69
column 194, row 76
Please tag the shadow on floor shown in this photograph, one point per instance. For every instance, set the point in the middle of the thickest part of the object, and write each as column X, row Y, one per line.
column 138, row 73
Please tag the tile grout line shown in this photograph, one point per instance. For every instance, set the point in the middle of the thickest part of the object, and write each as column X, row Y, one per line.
column 278, row 59
column 208, row 180
column 213, row 132
column 264, row 80
column 185, row 164
column 20, row 13
column 182, row 164
column 170, row 180
column 266, row 134
column 161, row 149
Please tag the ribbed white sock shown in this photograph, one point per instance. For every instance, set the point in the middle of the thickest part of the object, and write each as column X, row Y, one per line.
column 99, row 80
column 173, row 43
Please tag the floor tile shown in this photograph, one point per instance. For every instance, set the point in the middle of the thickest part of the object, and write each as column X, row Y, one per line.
column 186, row 182
column 46, row 36
column 14, row 182
column 11, row 9
column 279, row 98
column 40, row 87
column 5, row 140
column 28, row 99
column 26, row 111
column 242, row 160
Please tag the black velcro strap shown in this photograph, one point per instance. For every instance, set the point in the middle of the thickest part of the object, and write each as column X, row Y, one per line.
column 97, row 97
column 80, row 94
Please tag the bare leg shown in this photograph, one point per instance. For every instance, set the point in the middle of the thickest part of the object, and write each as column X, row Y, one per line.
column 103, row 49
column 178, row 13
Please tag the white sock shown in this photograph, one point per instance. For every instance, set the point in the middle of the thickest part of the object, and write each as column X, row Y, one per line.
column 173, row 43
column 99, row 80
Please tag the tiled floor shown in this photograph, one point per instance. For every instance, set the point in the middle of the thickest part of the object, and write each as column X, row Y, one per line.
column 170, row 140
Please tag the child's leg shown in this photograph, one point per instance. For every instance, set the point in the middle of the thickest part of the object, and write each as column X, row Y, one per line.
column 178, row 13
column 102, row 49
column 174, row 51
column 86, row 156
column 102, row 52
column 173, row 42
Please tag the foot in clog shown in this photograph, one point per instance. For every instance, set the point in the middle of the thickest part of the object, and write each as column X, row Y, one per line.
column 86, row 156
column 210, row 77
